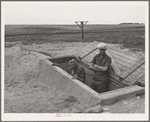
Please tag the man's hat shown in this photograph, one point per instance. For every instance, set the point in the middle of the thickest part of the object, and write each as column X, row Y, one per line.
column 102, row 46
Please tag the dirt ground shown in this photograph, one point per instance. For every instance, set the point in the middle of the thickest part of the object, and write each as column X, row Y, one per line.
column 24, row 93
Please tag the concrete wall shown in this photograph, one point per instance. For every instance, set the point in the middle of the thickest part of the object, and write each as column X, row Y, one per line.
column 55, row 76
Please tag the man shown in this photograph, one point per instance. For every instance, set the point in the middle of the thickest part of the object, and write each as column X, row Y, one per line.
column 76, row 71
column 100, row 65
column 73, row 67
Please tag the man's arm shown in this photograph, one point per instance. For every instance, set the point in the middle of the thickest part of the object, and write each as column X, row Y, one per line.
column 100, row 68
column 95, row 67
column 93, row 62
column 92, row 67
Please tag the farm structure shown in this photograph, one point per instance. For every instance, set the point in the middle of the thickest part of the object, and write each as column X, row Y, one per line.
column 83, row 23
column 127, row 70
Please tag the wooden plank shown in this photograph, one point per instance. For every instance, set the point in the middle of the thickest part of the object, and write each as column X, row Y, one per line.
column 137, row 74
column 114, row 64
column 122, row 68
column 134, row 78
column 113, row 48
column 113, row 81
column 123, row 63
column 132, row 68
column 126, row 56
column 112, row 86
column 116, row 79
column 141, row 79
column 143, row 66
column 124, row 59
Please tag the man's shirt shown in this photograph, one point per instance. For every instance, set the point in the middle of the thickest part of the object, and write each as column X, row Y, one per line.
column 103, row 61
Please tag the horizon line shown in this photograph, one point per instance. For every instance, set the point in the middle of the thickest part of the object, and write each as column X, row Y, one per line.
column 87, row 24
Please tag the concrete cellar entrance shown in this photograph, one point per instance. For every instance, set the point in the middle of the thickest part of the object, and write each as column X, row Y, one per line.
column 126, row 70
column 62, row 62
column 57, row 76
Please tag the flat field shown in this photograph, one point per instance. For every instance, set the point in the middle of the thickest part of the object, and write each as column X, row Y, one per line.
column 24, row 93
column 130, row 36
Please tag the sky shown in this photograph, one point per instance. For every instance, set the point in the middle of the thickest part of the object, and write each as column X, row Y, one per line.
column 68, row 12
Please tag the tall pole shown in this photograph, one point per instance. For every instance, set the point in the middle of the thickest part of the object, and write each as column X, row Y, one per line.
column 82, row 32
column 82, row 27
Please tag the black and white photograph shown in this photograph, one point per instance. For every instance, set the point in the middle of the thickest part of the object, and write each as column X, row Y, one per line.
column 74, row 60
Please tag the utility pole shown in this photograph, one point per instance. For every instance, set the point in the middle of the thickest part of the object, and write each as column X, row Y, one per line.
column 83, row 23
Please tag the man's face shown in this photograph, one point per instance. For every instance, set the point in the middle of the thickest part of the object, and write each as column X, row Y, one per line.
column 102, row 51
column 72, row 62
